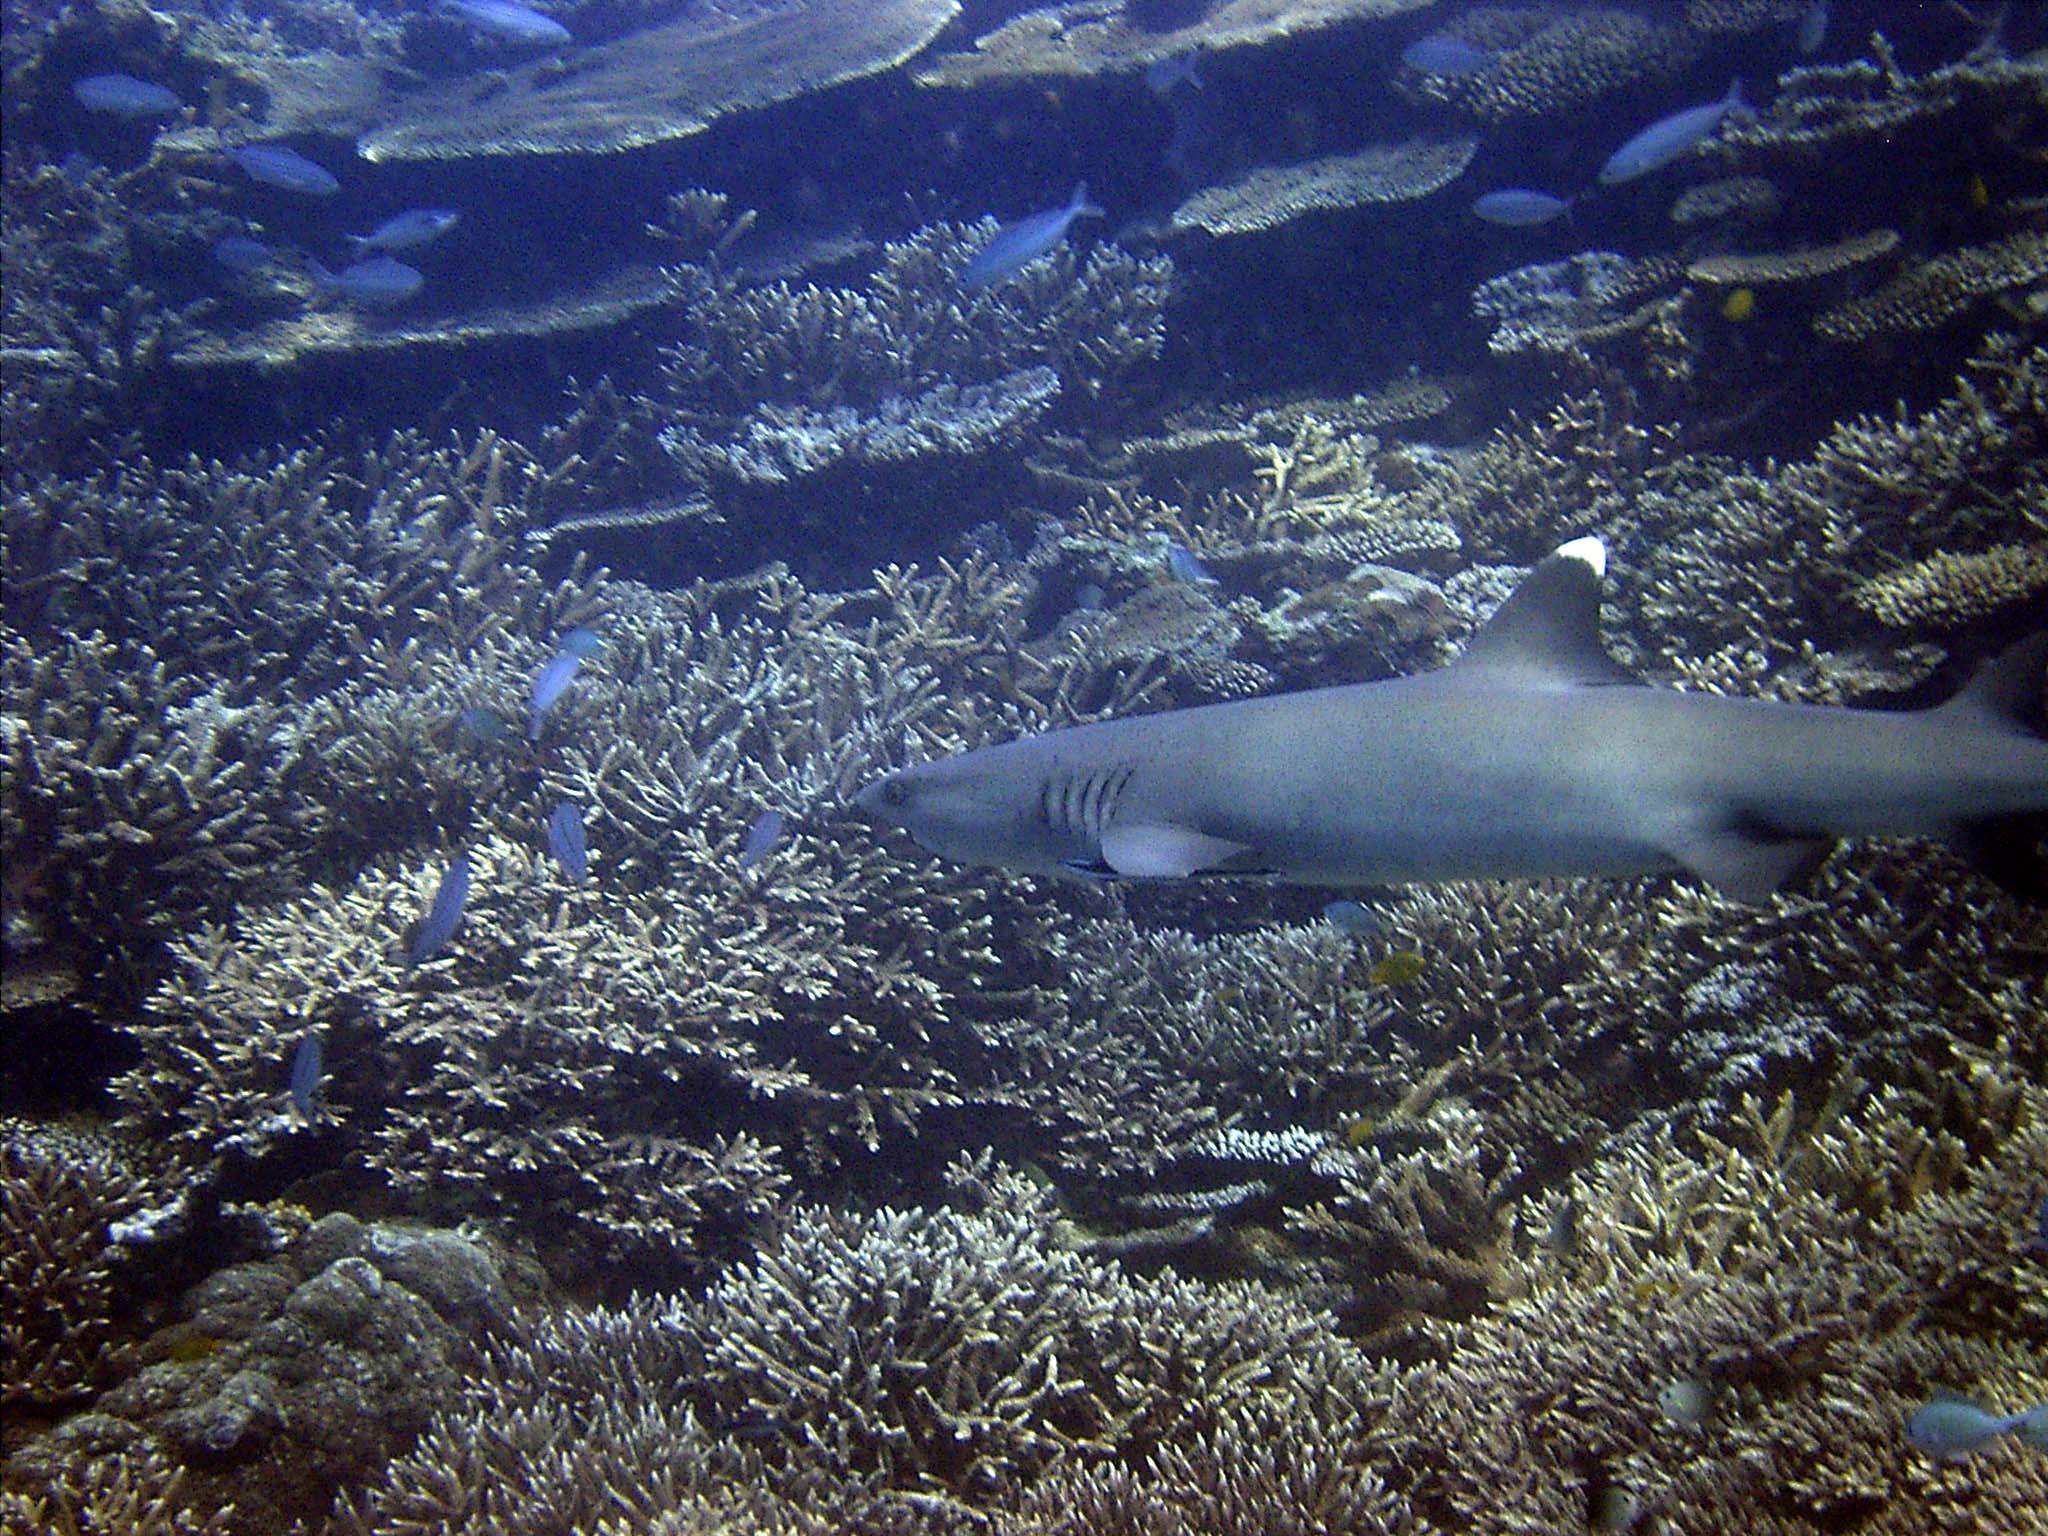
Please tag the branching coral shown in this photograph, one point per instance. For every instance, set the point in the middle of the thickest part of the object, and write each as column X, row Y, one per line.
column 1800, row 1284
column 61, row 1195
column 137, row 793
column 775, row 380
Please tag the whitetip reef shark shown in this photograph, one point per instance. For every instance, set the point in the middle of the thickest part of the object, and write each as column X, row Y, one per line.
column 1534, row 753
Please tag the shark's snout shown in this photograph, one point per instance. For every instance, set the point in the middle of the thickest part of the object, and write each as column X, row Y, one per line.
column 886, row 799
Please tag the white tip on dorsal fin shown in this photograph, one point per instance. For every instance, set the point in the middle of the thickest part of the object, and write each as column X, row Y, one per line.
column 1548, row 631
column 1588, row 548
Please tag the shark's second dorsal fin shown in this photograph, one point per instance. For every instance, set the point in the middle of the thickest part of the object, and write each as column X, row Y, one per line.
column 1548, row 631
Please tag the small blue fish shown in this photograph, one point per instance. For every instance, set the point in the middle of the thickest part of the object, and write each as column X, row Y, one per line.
column 239, row 253
column 379, row 281
column 1813, row 26
column 1951, row 1427
column 1353, row 917
column 308, row 1064
column 549, row 686
column 762, row 837
column 2040, row 1243
column 285, row 169
column 565, row 841
column 404, row 231
column 1688, row 1402
column 513, row 23
column 1668, row 138
column 1187, row 566
column 485, row 725
column 1519, row 208
column 125, row 96
column 439, row 925
column 1442, row 54
column 582, row 641
column 1017, row 245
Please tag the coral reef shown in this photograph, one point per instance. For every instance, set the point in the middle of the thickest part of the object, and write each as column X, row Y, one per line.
column 769, row 1176
column 1548, row 63
column 666, row 82
column 286, row 1377
column 1102, row 36
column 63, row 1193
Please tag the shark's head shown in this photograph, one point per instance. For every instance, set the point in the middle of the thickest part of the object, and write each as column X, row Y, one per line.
column 978, row 808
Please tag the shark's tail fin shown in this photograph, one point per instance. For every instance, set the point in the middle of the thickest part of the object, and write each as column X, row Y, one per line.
column 2010, row 693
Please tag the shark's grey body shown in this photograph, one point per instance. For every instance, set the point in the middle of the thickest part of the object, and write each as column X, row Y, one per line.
column 1533, row 754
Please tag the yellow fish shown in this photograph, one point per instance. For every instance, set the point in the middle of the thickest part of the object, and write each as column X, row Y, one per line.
column 1401, row 966
column 1739, row 305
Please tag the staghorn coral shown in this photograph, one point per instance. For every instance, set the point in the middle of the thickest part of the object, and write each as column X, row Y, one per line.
column 1785, row 1267
column 784, row 443
column 1575, row 305
column 84, row 333
column 1949, row 590
column 1270, row 196
column 1819, row 107
column 139, row 796
column 956, row 1370
column 773, row 382
column 669, row 81
column 137, row 1493
column 981, row 1351
column 1088, row 37
column 62, row 1195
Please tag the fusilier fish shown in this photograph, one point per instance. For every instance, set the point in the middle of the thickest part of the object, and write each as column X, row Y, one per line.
column 445, row 915
column 1518, row 207
column 761, row 838
column 549, row 685
column 1017, row 245
column 565, row 841
column 1813, row 26
column 1668, row 138
column 308, row 1064
column 125, row 96
column 286, row 169
column 404, row 231
column 1951, row 1427
column 1533, row 754
column 513, row 23
column 378, row 281
column 240, row 253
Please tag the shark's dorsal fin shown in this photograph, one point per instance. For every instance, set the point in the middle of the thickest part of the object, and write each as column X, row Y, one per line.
column 1548, row 631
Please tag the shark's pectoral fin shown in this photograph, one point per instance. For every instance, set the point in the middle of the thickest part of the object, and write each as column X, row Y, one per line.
column 1748, row 863
column 1164, row 852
